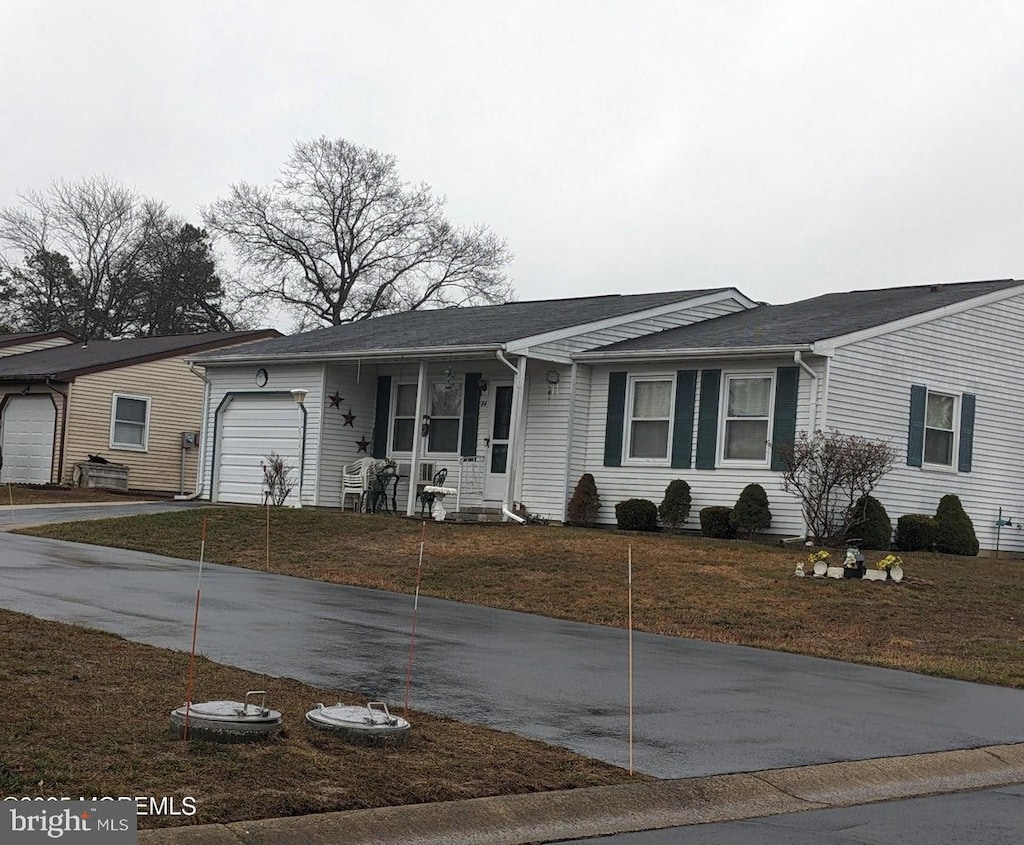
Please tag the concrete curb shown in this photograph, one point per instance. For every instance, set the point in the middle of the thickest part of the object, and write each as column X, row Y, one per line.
column 603, row 810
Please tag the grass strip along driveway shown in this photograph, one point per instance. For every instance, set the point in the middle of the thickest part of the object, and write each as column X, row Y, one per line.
column 956, row 617
column 87, row 714
column 18, row 494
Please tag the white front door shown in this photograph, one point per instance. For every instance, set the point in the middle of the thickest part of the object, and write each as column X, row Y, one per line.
column 499, row 427
column 26, row 443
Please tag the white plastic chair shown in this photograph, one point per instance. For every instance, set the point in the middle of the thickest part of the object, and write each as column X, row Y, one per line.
column 354, row 481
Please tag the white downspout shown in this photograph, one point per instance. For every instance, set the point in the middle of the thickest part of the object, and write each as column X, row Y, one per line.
column 518, row 386
column 812, row 417
column 202, row 433
column 417, row 439
column 570, row 431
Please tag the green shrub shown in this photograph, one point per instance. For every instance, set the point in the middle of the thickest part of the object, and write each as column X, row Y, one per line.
column 637, row 515
column 870, row 524
column 714, row 522
column 954, row 531
column 675, row 507
column 585, row 504
column 751, row 513
column 915, row 532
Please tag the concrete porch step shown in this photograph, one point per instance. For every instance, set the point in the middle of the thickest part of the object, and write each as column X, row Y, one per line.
column 476, row 514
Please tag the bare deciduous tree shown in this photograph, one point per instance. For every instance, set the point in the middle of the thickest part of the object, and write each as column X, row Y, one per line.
column 339, row 237
column 830, row 472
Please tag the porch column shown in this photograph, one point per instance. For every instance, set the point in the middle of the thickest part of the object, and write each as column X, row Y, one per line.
column 417, row 440
column 515, row 434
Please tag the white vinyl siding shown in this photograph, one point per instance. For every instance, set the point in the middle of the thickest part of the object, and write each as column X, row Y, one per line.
column 129, row 422
column 977, row 352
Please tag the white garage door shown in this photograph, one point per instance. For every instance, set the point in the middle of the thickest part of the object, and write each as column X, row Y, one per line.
column 27, row 440
column 251, row 427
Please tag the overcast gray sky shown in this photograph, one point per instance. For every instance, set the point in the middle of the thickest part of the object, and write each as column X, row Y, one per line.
column 787, row 148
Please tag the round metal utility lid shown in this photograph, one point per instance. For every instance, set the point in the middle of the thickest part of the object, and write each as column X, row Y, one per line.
column 244, row 712
column 374, row 718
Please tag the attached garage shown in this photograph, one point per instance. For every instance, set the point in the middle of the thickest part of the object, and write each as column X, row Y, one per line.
column 249, row 428
column 26, row 439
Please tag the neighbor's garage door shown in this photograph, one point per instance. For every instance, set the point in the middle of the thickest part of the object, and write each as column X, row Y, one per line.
column 251, row 427
column 27, row 440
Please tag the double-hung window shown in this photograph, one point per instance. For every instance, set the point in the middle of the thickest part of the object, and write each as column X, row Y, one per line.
column 939, row 429
column 649, row 418
column 404, row 428
column 748, row 402
column 129, row 422
column 445, row 417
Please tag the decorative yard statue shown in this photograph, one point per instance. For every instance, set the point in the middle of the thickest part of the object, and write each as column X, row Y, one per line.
column 853, row 564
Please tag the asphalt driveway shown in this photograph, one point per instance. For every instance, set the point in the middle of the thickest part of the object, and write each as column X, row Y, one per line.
column 700, row 708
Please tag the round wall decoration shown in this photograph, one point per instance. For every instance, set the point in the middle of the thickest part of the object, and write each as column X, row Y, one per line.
column 261, row 377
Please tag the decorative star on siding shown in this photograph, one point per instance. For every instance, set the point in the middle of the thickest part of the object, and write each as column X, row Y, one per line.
column 336, row 399
column 363, row 443
column 349, row 419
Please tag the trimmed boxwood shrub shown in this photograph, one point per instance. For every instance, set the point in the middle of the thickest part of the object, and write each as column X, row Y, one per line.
column 585, row 504
column 875, row 529
column 915, row 532
column 675, row 507
column 714, row 522
column 751, row 513
column 637, row 515
column 954, row 531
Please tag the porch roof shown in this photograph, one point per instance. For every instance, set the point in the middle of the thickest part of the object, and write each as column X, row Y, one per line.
column 801, row 324
column 452, row 330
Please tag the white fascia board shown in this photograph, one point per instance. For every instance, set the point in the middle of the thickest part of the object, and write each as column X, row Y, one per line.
column 706, row 352
column 828, row 345
column 522, row 343
column 440, row 352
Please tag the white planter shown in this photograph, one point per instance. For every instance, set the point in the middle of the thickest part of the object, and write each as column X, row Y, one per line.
column 896, row 573
column 820, row 568
column 875, row 575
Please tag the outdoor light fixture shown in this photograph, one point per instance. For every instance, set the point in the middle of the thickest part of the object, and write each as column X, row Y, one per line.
column 299, row 395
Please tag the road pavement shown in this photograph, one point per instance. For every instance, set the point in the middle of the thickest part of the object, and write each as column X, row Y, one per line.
column 700, row 708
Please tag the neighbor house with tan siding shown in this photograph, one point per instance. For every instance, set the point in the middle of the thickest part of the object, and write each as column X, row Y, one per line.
column 18, row 342
column 126, row 401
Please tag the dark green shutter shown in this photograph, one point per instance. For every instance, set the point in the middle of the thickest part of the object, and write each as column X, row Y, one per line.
column 915, row 434
column 682, row 427
column 470, row 415
column 380, row 418
column 615, row 419
column 707, row 419
column 787, row 388
column 966, row 432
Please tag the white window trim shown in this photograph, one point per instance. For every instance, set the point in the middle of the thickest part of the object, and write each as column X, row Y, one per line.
column 392, row 416
column 954, row 464
column 129, row 447
column 723, row 416
column 461, row 386
column 425, row 452
column 628, row 419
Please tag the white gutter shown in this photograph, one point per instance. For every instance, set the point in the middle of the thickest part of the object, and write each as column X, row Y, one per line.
column 202, row 443
column 570, row 430
column 517, row 410
column 704, row 352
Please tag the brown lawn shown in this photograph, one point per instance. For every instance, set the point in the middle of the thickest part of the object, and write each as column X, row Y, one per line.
column 23, row 494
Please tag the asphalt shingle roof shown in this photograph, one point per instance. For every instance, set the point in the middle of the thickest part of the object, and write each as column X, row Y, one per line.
column 69, row 360
column 486, row 325
column 809, row 320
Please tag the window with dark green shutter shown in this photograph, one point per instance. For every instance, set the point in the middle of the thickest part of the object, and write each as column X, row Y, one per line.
column 470, row 415
column 966, row 456
column 915, row 432
column 682, row 424
column 615, row 419
column 707, row 419
column 380, row 417
column 787, row 390
column 941, row 430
